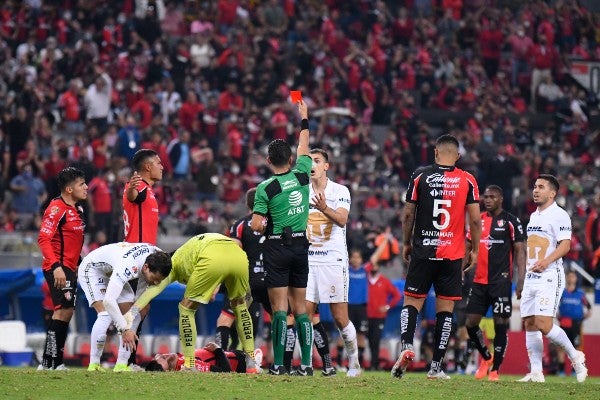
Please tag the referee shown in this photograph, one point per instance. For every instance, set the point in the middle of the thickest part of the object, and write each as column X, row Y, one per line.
column 281, row 213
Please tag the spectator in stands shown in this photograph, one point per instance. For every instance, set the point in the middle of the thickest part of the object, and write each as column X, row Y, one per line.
column 129, row 140
column 29, row 192
column 97, row 100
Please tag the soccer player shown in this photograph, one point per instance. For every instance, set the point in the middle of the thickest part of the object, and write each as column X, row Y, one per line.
column 548, row 240
column 328, row 258
column 202, row 264
column 574, row 308
column 140, row 209
column 211, row 358
column 281, row 213
column 434, row 240
column 382, row 295
column 251, row 242
column 104, row 276
column 60, row 240
column 502, row 244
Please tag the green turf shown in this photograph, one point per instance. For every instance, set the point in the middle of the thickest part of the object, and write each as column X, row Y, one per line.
column 27, row 383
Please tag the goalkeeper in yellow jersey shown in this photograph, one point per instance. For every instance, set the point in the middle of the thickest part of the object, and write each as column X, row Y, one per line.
column 202, row 264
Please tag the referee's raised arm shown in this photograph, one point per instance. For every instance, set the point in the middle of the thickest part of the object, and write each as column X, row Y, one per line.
column 303, row 145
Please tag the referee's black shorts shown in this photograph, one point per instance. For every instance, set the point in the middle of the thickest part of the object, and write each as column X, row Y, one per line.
column 286, row 264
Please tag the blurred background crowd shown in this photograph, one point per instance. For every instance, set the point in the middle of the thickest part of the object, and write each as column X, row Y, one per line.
column 206, row 84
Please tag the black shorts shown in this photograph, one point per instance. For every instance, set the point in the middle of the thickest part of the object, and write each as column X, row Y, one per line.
column 497, row 295
column 259, row 296
column 573, row 331
column 444, row 275
column 286, row 265
column 358, row 315
column 63, row 298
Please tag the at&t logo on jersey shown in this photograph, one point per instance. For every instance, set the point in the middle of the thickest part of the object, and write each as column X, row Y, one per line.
column 295, row 199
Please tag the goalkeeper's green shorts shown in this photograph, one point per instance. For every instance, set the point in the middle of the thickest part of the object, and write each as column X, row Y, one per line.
column 221, row 262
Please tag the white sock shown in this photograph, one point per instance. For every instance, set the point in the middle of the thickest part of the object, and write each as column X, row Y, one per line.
column 349, row 336
column 124, row 354
column 535, row 349
column 98, row 336
column 559, row 337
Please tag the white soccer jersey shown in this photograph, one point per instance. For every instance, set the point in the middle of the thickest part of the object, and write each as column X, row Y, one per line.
column 542, row 291
column 545, row 230
column 327, row 240
column 122, row 261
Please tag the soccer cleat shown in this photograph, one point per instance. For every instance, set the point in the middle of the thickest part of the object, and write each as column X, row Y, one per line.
column 484, row 367
column 533, row 377
column 354, row 372
column 42, row 368
column 122, row 368
column 251, row 365
column 328, row 371
column 403, row 362
column 96, row 367
column 278, row 370
column 258, row 357
column 437, row 374
column 136, row 368
column 302, row 371
column 61, row 367
column 341, row 368
column 493, row 376
column 578, row 363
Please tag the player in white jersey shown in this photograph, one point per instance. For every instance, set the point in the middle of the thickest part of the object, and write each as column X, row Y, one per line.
column 104, row 276
column 328, row 257
column 548, row 240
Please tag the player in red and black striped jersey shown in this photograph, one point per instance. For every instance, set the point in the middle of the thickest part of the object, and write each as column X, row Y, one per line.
column 140, row 208
column 502, row 244
column 251, row 242
column 211, row 358
column 438, row 198
column 60, row 240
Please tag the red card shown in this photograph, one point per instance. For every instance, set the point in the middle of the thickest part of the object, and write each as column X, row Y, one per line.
column 295, row 96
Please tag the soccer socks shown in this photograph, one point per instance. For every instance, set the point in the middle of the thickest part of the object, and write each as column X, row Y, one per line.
column 290, row 344
column 476, row 336
column 278, row 335
column 222, row 336
column 500, row 343
column 187, row 335
column 408, row 325
column 443, row 328
column 349, row 336
column 322, row 344
column 98, row 336
column 50, row 348
column 243, row 326
column 305, row 337
column 61, row 328
column 560, row 338
column 535, row 349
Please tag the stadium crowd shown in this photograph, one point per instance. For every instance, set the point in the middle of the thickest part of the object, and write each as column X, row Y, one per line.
column 206, row 84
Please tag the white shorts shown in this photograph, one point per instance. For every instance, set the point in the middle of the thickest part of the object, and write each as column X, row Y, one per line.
column 94, row 284
column 542, row 292
column 327, row 283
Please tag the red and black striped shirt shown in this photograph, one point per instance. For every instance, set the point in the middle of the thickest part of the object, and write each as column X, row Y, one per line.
column 140, row 217
column 61, row 235
column 441, row 195
column 498, row 235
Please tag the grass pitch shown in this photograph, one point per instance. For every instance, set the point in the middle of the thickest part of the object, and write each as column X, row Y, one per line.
column 27, row 383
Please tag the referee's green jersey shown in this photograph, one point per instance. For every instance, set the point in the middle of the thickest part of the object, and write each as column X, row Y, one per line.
column 284, row 198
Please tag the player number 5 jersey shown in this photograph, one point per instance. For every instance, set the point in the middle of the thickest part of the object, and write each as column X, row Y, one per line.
column 328, row 240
